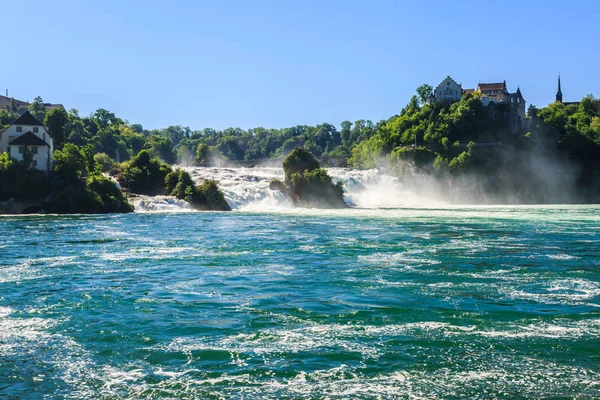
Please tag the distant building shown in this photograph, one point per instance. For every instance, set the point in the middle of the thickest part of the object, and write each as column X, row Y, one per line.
column 511, row 104
column 559, row 92
column 27, row 133
column 559, row 99
column 498, row 94
column 22, row 106
column 448, row 90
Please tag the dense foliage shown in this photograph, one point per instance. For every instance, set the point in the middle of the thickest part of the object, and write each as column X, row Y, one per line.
column 98, row 194
column 104, row 132
column 553, row 156
column 79, row 188
column 18, row 181
column 307, row 184
column 206, row 196
column 144, row 174
column 554, row 150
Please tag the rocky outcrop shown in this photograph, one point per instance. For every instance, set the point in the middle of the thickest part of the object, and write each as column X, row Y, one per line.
column 307, row 184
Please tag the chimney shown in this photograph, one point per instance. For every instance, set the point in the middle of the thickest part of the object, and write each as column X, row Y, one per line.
column 6, row 92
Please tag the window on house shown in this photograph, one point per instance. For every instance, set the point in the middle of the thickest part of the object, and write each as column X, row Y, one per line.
column 34, row 150
column 36, row 129
column 19, row 129
column 21, row 149
column 34, row 163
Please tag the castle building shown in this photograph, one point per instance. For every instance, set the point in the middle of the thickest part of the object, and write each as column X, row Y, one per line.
column 448, row 90
column 512, row 104
column 26, row 133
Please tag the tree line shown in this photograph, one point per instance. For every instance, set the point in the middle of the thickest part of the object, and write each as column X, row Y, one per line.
column 566, row 133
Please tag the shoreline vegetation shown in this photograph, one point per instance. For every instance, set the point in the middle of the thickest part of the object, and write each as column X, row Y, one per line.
column 307, row 184
column 552, row 156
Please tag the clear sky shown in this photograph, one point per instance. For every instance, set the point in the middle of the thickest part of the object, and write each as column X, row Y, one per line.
column 276, row 64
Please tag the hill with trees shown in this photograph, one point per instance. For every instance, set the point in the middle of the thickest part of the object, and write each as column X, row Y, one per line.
column 465, row 145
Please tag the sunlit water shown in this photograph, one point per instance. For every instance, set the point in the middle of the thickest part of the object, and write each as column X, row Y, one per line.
column 442, row 302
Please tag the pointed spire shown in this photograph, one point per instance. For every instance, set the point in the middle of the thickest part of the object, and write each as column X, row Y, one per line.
column 559, row 92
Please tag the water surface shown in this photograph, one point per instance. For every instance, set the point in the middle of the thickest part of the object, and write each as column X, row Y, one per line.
column 462, row 302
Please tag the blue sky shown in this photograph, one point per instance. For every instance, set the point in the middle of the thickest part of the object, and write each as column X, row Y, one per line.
column 283, row 63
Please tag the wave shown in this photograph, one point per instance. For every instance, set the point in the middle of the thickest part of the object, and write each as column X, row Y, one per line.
column 142, row 203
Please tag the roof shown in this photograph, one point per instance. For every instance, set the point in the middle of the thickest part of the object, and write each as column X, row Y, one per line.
column 28, row 139
column 7, row 100
column 559, row 93
column 26, row 119
column 518, row 93
column 445, row 79
column 491, row 86
column 468, row 90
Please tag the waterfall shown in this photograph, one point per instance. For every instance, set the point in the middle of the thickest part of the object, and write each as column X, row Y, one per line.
column 247, row 189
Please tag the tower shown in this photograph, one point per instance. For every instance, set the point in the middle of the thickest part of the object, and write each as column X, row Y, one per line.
column 559, row 92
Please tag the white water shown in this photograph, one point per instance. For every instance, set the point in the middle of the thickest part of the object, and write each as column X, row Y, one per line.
column 247, row 189
column 143, row 203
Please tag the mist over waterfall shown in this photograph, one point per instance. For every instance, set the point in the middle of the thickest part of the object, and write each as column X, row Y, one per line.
column 248, row 188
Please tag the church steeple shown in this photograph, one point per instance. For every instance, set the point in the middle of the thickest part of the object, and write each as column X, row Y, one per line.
column 559, row 92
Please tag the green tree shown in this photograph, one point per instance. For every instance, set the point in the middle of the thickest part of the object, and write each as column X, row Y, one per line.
column 38, row 109
column 299, row 160
column 201, row 154
column 56, row 120
column 423, row 93
column 70, row 163
column 104, row 162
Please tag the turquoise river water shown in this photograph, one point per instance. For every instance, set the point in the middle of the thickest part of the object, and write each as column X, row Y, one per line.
column 477, row 302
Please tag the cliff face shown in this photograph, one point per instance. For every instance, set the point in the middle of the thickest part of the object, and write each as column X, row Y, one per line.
column 307, row 184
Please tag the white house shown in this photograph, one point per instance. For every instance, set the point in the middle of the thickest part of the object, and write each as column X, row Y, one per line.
column 28, row 133
column 447, row 90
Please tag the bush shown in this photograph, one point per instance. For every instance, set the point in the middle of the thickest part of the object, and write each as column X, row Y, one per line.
column 111, row 196
column 144, row 175
column 299, row 160
column 308, row 184
column 20, row 182
column 74, row 200
column 104, row 162
column 208, row 196
column 97, row 195
column 409, row 161
column 69, row 164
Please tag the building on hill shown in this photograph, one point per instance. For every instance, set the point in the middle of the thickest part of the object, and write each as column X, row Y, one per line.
column 559, row 92
column 448, row 90
column 498, row 94
column 511, row 105
column 22, row 106
column 27, row 133
column 559, row 99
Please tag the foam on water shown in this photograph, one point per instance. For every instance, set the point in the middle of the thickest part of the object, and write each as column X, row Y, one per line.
column 247, row 189
column 142, row 203
column 464, row 302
